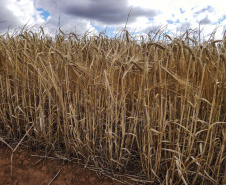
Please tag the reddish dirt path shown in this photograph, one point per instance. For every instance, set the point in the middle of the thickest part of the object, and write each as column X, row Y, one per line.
column 28, row 170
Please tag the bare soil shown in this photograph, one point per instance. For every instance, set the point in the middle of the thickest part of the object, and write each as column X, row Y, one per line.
column 36, row 170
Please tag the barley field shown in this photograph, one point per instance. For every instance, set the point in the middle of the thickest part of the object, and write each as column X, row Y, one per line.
column 152, row 111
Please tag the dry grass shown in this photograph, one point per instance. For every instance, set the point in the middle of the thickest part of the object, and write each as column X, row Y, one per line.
column 152, row 111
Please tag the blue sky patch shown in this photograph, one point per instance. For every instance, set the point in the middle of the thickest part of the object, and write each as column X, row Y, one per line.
column 44, row 13
column 109, row 30
column 172, row 22
column 169, row 21
column 182, row 11
column 151, row 19
column 99, row 29
column 222, row 19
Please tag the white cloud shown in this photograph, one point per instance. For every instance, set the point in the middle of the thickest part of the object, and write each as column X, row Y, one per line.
column 17, row 13
column 194, row 11
column 145, row 15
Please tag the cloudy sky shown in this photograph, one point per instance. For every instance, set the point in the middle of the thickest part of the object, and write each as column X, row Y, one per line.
column 96, row 15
